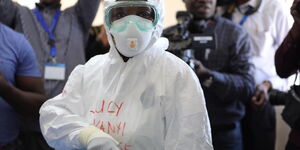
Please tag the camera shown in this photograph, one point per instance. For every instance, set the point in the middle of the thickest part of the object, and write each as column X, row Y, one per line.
column 291, row 101
column 180, row 37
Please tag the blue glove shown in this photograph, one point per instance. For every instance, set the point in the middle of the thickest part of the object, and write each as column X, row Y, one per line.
column 102, row 143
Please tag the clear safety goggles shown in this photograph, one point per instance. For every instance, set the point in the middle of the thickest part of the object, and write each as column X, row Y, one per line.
column 122, row 9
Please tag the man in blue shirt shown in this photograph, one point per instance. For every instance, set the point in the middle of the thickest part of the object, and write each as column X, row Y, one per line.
column 58, row 38
column 21, row 86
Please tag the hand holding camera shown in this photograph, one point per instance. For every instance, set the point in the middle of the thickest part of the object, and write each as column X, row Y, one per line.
column 261, row 96
column 200, row 69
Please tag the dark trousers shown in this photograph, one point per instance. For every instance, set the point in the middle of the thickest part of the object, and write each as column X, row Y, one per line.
column 259, row 128
column 294, row 140
column 291, row 146
column 227, row 137
column 14, row 145
column 34, row 141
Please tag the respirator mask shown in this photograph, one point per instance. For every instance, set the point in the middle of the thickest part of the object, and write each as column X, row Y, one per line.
column 131, row 24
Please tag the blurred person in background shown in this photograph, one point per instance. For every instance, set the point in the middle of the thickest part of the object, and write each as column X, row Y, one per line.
column 287, row 58
column 97, row 42
column 267, row 23
column 287, row 62
column 58, row 38
column 21, row 86
column 221, row 59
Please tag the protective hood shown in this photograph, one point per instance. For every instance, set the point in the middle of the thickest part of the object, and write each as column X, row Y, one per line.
column 113, row 53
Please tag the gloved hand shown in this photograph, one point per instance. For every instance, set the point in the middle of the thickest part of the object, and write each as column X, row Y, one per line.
column 102, row 143
column 94, row 139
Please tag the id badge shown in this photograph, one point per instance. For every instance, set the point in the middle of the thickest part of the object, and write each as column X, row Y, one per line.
column 204, row 41
column 55, row 71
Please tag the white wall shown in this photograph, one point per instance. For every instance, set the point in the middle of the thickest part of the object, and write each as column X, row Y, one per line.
column 29, row 3
column 171, row 7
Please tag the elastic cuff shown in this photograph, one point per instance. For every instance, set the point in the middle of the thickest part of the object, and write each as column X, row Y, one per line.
column 91, row 132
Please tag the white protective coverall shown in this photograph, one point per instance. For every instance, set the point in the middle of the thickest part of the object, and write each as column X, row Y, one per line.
column 153, row 101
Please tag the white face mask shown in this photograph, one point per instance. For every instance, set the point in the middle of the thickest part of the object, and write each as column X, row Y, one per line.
column 132, row 35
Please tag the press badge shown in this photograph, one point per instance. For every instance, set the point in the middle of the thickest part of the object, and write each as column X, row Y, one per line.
column 204, row 41
column 54, row 71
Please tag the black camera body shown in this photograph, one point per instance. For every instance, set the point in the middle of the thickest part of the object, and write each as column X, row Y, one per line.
column 187, row 45
column 180, row 37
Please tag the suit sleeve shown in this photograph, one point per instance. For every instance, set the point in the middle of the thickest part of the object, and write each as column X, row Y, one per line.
column 61, row 117
column 187, row 122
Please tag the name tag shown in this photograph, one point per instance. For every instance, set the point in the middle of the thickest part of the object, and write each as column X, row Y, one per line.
column 55, row 71
column 203, row 39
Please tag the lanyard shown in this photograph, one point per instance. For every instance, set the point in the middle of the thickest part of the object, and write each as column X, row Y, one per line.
column 50, row 31
column 244, row 19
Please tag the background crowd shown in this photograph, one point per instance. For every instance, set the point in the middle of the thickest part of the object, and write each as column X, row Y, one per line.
column 242, row 51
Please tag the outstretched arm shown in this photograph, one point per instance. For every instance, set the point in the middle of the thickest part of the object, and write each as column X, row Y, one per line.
column 86, row 11
column 63, row 123
column 60, row 118
column 8, row 12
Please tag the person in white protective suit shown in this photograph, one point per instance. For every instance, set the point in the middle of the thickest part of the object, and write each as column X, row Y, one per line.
column 136, row 97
